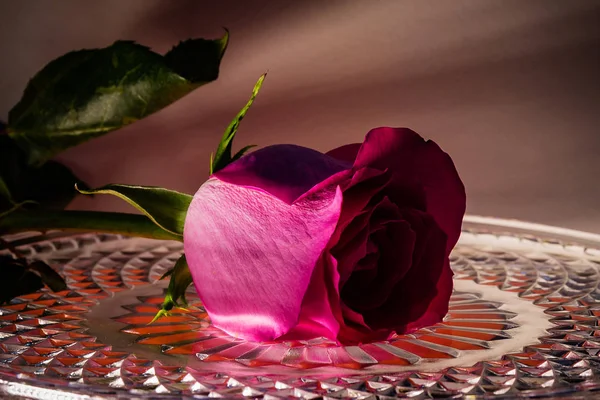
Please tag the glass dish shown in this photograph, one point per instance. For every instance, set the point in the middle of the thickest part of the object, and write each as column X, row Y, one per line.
column 523, row 321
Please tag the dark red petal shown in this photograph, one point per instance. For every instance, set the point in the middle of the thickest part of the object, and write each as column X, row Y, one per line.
column 346, row 153
column 349, row 241
column 413, row 296
column 438, row 308
column 410, row 157
column 368, row 289
column 355, row 330
column 351, row 252
column 358, row 191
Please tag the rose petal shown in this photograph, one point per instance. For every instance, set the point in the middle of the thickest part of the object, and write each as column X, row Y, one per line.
column 356, row 331
column 346, row 153
column 359, row 191
column 352, row 329
column 252, row 255
column 317, row 318
column 285, row 171
column 414, row 295
column 369, row 288
column 438, row 308
column 351, row 252
column 411, row 157
column 420, row 224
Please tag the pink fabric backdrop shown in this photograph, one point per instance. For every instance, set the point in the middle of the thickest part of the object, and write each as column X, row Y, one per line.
column 510, row 89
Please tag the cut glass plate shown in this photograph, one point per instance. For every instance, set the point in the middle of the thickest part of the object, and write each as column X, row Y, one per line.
column 523, row 321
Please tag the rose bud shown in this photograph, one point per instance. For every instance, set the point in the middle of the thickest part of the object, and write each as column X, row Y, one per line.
column 352, row 245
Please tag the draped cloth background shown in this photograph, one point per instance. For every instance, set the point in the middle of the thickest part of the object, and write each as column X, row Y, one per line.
column 511, row 89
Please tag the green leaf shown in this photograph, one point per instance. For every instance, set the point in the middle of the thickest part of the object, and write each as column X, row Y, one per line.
column 14, row 207
column 16, row 280
column 10, row 167
column 181, row 278
column 5, row 196
column 166, row 208
column 20, row 277
column 4, row 192
column 49, row 276
column 50, row 186
column 223, row 156
column 88, row 93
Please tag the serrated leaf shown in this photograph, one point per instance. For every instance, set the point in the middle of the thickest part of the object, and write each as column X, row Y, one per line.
column 166, row 208
column 223, row 156
column 88, row 93
column 50, row 186
column 181, row 278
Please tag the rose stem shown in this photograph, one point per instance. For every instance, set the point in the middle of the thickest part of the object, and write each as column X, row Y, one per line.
column 12, row 249
column 83, row 221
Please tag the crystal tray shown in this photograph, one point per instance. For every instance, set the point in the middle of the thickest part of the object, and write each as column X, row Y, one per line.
column 523, row 321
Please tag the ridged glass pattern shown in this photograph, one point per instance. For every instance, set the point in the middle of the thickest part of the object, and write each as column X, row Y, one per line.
column 523, row 321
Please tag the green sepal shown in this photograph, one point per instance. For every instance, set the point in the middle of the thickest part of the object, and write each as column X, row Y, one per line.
column 181, row 278
column 166, row 208
column 242, row 151
column 88, row 93
column 167, row 274
column 222, row 156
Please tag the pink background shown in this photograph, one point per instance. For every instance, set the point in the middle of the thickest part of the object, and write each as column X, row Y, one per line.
column 510, row 88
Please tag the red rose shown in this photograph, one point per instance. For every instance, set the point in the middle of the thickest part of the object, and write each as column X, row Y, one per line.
column 351, row 245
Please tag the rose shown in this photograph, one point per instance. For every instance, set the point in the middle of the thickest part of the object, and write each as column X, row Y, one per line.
column 351, row 245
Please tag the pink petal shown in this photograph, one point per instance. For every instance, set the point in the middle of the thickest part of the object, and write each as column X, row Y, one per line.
column 317, row 317
column 285, row 171
column 252, row 255
column 409, row 156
